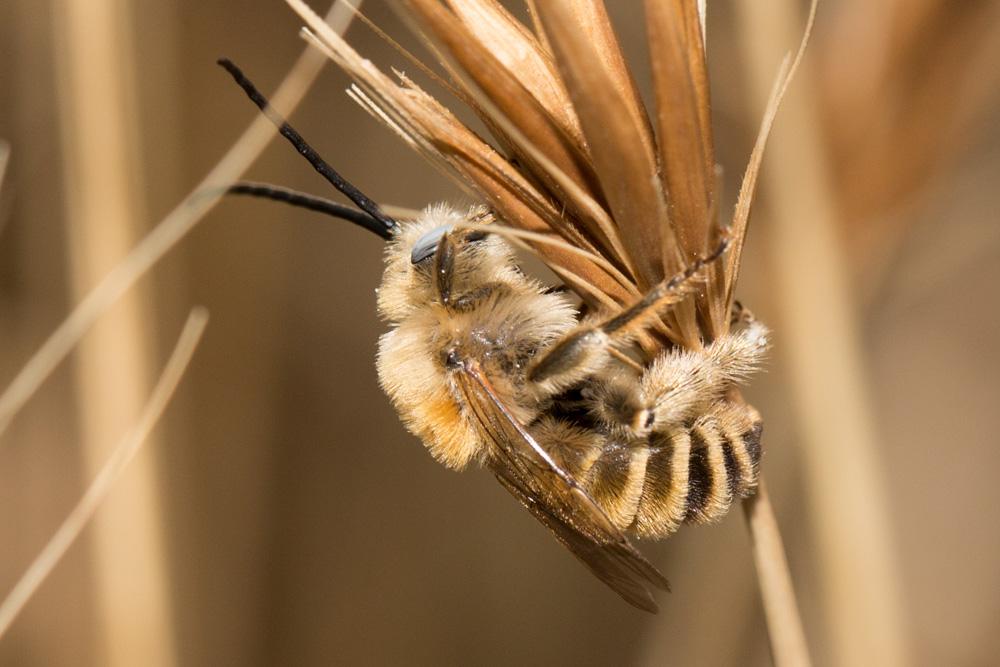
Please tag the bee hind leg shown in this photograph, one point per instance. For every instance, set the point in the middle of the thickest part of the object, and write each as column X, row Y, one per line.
column 584, row 351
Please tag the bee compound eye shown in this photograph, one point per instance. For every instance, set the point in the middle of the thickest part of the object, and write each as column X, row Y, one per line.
column 426, row 245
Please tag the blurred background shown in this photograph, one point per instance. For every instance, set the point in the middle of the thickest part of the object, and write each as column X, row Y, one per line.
column 282, row 515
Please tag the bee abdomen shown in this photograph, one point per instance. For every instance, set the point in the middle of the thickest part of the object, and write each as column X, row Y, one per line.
column 740, row 427
column 616, row 481
column 663, row 504
column 708, row 495
column 694, row 474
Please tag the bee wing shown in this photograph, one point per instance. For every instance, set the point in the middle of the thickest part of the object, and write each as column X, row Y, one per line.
column 553, row 497
column 617, row 564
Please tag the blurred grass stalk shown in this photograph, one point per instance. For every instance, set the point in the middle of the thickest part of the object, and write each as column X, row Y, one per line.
column 846, row 495
column 170, row 230
column 100, row 136
column 97, row 88
column 899, row 106
column 112, row 469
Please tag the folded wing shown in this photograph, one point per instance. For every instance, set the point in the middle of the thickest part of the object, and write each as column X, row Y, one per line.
column 553, row 497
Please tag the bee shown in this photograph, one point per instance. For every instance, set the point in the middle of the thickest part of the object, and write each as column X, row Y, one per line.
column 488, row 366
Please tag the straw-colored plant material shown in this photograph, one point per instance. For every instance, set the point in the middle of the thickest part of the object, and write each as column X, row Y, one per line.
column 94, row 55
column 121, row 648
column 112, row 470
column 788, row 640
column 576, row 156
column 174, row 227
column 119, row 280
column 845, row 493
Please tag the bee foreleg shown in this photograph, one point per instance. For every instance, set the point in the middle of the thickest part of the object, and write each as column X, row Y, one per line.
column 444, row 268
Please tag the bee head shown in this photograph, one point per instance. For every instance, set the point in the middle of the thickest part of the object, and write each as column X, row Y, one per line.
column 476, row 258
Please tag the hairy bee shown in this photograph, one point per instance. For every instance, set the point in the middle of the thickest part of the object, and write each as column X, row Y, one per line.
column 487, row 365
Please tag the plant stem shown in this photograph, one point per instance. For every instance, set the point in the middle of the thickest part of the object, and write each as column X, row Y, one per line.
column 95, row 56
column 846, row 498
column 784, row 625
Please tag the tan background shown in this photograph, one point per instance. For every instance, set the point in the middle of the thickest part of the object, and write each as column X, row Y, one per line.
column 304, row 526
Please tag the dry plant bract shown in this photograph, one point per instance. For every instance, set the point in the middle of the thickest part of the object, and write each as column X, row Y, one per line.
column 619, row 415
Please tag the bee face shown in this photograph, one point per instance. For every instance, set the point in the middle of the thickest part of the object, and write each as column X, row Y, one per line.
column 478, row 259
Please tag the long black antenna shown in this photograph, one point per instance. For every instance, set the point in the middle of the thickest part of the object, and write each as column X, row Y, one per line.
column 388, row 225
column 310, row 202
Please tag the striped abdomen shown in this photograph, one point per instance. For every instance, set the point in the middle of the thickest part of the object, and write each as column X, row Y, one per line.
column 690, row 473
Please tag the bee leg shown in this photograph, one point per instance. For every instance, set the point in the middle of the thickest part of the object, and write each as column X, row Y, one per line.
column 618, row 403
column 473, row 298
column 680, row 385
column 583, row 351
column 444, row 272
column 444, row 268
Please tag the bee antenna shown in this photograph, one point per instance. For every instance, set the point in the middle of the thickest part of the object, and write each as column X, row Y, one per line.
column 388, row 225
column 310, row 202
